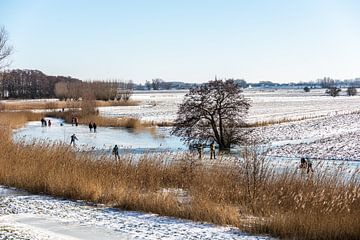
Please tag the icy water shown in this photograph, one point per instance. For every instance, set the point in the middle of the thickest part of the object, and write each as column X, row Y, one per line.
column 104, row 139
column 130, row 141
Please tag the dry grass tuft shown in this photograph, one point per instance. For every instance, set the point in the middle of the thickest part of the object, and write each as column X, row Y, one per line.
column 18, row 119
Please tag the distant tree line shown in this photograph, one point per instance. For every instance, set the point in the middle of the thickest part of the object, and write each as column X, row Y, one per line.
column 29, row 84
column 32, row 84
column 159, row 84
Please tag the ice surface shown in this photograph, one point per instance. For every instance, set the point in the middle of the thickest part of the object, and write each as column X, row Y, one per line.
column 103, row 139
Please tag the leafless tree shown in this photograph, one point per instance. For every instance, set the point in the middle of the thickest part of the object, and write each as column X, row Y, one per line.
column 333, row 91
column 327, row 82
column 213, row 112
column 88, row 103
column 156, row 83
column 5, row 48
column 148, row 85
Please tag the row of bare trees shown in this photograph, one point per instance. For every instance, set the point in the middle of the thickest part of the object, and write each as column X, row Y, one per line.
column 98, row 90
column 32, row 84
column 29, row 84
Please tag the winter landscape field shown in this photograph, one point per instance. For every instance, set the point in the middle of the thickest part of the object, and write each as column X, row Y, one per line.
column 179, row 120
column 299, row 124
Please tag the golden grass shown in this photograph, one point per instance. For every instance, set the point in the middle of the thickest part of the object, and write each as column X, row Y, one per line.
column 283, row 204
column 31, row 105
column 18, row 119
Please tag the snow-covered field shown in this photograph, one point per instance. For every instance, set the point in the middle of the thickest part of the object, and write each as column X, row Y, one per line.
column 331, row 131
column 266, row 104
column 331, row 137
column 24, row 216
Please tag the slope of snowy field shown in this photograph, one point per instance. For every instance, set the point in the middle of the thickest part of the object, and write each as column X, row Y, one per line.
column 266, row 104
column 331, row 132
column 24, row 216
column 331, row 137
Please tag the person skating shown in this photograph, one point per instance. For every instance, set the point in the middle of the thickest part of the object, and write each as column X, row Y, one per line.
column 94, row 126
column 115, row 152
column 90, row 126
column 49, row 123
column 200, row 150
column 212, row 150
column 303, row 163
column 76, row 121
column 309, row 165
column 73, row 138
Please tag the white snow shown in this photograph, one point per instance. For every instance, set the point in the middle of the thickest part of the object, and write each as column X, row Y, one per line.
column 43, row 217
column 266, row 104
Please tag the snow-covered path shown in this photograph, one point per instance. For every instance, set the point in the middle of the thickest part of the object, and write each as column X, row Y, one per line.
column 24, row 216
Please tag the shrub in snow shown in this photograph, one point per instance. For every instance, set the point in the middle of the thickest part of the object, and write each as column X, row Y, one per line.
column 333, row 91
column 351, row 91
column 306, row 89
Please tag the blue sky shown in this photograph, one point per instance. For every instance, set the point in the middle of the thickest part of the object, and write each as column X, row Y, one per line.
column 186, row 40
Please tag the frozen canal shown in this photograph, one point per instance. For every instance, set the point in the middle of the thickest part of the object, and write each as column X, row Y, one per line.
column 128, row 140
column 157, row 141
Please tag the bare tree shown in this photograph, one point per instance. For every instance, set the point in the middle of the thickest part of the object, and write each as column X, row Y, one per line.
column 5, row 49
column 213, row 111
column 148, row 85
column 156, row 83
column 326, row 82
column 88, row 103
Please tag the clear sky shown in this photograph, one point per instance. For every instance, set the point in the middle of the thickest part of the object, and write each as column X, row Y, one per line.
column 186, row 40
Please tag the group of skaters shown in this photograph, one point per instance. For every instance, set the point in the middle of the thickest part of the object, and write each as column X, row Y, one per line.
column 74, row 121
column 73, row 138
column 92, row 126
column 45, row 123
column 200, row 148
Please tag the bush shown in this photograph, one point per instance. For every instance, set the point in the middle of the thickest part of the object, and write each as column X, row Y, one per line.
column 351, row 91
column 306, row 89
column 333, row 91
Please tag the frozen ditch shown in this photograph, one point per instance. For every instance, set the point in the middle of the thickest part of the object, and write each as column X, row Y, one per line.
column 104, row 139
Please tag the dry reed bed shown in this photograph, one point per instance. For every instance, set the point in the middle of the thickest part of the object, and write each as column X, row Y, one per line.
column 18, row 119
column 285, row 204
column 30, row 105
